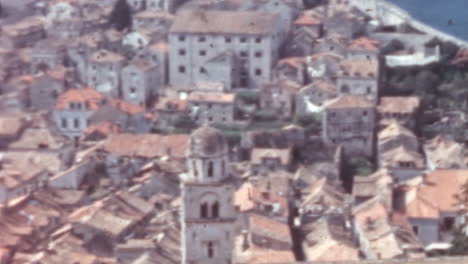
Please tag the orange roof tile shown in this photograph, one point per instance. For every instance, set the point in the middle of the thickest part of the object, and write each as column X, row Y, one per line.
column 105, row 128
column 307, row 20
column 374, row 210
column 147, row 145
column 439, row 192
column 364, row 44
column 88, row 95
column 127, row 107
column 293, row 61
column 269, row 227
column 262, row 255
column 223, row 98
column 248, row 197
column 349, row 101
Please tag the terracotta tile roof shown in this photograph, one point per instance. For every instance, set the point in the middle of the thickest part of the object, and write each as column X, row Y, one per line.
column 249, row 198
column 160, row 46
column 154, row 14
column 147, row 145
column 106, row 56
column 339, row 252
column 222, row 98
column 349, row 101
column 258, row 154
column 394, row 157
column 372, row 209
column 267, row 227
column 372, row 185
column 88, row 95
column 307, row 20
column 422, row 207
column 395, row 129
column 224, row 22
column 362, row 68
column 270, row 256
column 105, row 128
column 293, row 61
column 142, row 64
column 11, row 125
column 364, row 43
column 399, row 104
column 323, row 85
column 438, row 192
column 127, row 107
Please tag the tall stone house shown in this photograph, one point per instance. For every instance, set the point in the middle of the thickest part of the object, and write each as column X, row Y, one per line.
column 359, row 77
column 73, row 109
column 208, row 214
column 197, row 36
column 140, row 82
column 279, row 97
column 104, row 69
column 350, row 121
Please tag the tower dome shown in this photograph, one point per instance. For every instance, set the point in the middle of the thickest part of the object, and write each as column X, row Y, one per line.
column 206, row 142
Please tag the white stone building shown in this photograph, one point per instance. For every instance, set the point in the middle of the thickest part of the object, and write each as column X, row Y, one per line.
column 104, row 72
column 350, row 121
column 208, row 213
column 197, row 36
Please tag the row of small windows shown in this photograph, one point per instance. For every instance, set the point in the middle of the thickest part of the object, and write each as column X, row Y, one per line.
column 258, row 54
column 226, row 39
column 258, row 72
column 76, row 123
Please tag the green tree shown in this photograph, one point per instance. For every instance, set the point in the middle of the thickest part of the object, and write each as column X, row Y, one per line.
column 121, row 15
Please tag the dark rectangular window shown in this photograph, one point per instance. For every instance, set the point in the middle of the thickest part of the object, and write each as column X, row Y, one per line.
column 202, row 39
column 64, row 123
column 202, row 52
column 76, row 123
column 258, row 54
column 182, row 52
column 228, row 40
column 243, row 53
column 258, row 40
column 182, row 69
column 258, row 72
column 202, row 70
column 243, row 40
column 181, row 38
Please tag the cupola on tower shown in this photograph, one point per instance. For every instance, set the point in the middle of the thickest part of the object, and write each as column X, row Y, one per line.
column 208, row 213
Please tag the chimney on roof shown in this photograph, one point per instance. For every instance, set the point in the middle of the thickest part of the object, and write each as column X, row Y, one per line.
column 249, row 194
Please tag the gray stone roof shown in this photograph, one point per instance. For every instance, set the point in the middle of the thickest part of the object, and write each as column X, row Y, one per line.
column 223, row 22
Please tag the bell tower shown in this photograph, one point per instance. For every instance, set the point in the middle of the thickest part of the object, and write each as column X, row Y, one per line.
column 208, row 213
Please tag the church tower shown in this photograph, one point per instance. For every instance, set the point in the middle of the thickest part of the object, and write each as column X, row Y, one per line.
column 208, row 212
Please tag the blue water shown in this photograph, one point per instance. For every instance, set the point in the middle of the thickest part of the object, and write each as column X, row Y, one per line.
column 437, row 13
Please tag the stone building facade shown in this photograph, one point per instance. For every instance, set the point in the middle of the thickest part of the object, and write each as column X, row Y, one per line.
column 350, row 121
column 359, row 77
column 208, row 108
column 140, row 82
column 104, row 72
column 208, row 213
column 198, row 36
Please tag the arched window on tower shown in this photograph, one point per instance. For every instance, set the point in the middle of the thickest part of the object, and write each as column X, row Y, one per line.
column 204, row 210
column 215, row 210
column 194, row 167
column 210, row 250
column 210, row 169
